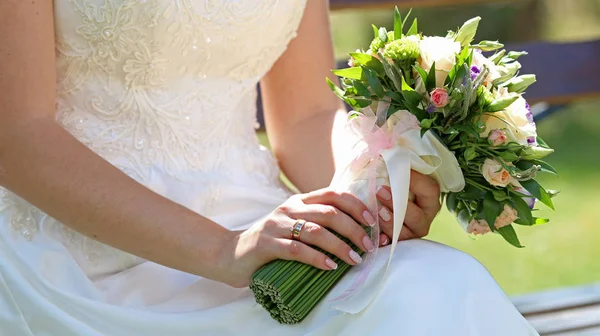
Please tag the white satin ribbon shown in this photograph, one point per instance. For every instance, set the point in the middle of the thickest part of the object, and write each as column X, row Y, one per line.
column 402, row 148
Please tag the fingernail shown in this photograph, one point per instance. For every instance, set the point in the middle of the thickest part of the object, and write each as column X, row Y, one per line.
column 384, row 194
column 330, row 263
column 355, row 257
column 385, row 214
column 368, row 244
column 385, row 240
column 369, row 218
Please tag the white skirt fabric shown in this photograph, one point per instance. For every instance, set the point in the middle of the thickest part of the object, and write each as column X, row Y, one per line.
column 430, row 289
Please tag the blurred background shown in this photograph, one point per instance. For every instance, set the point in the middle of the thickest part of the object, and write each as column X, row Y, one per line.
column 566, row 251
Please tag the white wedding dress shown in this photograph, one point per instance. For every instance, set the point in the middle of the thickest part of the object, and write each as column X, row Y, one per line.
column 165, row 91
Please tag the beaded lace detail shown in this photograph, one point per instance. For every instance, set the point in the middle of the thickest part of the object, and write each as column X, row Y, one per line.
column 165, row 85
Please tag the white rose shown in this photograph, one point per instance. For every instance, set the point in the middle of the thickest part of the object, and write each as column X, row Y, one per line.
column 495, row 174
column 479, row 61
column 513, row 119
column 440, row 50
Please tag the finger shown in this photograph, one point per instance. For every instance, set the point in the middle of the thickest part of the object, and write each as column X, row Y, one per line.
column 386, row 221
column 427, row 192
column 384, row 240
column 384, row 196
column 317, row 235
column 344, row 201
column 406, row 234
column 416, row 220
column 295, row 250
column 336, row 220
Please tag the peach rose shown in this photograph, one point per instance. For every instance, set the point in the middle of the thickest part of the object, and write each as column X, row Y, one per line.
column 480, row 227
column 495, row 173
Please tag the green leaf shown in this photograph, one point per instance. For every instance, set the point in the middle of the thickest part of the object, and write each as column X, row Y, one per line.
column 500, row 195
column 430, row 84
column 501, row 103
column 374, row 82
column 352, row 73
column 495, row 58
column 470, row 154
column 464, row 217
column 395, row 96
column 519, row 84
column 383, row 34
column 369, row 61
column 488, row 45
column 375, row 31
column 422, row 73
column 451, row 202
column 538, row 192
column 467, row 32
column 392, row 73
column 361, row 89
column 516, row 54
column 508, row 156
column 509, row 234
column 535, row 153
column 412, row 97
column 426, row 123
column 471, row 192
column 406, row 17
column 336, row 90
column 526, row 164
column 522, row 209
column 542, row 143
column 357, row 103
column 491, row 210
column 397, row 24
column 413, row 28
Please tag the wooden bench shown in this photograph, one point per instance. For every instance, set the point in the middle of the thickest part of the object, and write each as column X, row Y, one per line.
column 575, row 75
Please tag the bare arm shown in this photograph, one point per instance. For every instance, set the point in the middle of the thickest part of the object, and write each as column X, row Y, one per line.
column 45, row 165
column 303, row 117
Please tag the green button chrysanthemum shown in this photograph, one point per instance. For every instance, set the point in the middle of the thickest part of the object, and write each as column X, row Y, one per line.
column 404, row 50
column 379, row 44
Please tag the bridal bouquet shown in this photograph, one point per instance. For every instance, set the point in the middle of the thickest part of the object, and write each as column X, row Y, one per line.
column 440, row 106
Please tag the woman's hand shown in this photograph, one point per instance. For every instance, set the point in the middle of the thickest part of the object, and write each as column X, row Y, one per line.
column 271, row 238
column 420, row 212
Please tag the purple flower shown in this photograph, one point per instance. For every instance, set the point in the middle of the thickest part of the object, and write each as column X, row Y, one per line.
column 430, row 108
column 475, row 71
column 529, row 200
column 531, row 140
column 529, row 114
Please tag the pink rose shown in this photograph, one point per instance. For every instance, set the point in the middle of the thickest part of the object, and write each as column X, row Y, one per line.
column 497, row 137
column 480, row 227
column 439, row 97
column 495, row 173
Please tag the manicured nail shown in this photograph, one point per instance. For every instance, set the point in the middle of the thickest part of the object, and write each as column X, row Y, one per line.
column 369, row 218
column 385, row 240
column 330, row 263
column 368, row 244
column 355, row 257
column 384, row 194
column 385, row 214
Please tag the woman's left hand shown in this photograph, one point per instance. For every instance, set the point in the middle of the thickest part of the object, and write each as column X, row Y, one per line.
column 420, row 211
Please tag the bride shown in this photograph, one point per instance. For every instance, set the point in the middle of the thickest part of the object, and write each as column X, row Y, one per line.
column 136, row 199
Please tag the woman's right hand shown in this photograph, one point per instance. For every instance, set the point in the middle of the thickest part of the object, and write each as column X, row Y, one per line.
column 271, row 238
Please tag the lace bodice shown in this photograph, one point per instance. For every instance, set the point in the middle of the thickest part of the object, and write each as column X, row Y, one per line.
column 165, row 88
column 168, row 82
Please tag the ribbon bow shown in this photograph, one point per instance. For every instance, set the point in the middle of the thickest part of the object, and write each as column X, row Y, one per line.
column 399, row 142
